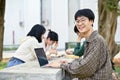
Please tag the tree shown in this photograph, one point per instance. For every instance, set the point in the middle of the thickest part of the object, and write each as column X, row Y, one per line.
column 107, row 22
column 2, row 12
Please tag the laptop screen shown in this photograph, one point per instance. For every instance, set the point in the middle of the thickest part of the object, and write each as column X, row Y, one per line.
column 42, row 59
column 71, row 45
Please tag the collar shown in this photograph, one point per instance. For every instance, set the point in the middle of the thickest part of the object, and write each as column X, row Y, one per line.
column 92, row 36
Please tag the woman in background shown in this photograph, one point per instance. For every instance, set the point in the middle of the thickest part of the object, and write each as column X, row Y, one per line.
column 50, row 43
column 79, row 49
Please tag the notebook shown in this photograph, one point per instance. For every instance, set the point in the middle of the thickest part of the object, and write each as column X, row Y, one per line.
column 42, row 59
column 71, row 45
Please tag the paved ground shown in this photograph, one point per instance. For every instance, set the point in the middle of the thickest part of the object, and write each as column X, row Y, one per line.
column 7, row 55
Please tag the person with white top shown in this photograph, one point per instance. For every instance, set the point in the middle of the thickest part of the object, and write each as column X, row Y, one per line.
column 25, row 53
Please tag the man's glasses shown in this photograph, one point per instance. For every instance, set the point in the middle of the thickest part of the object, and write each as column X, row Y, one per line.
column 82, row 20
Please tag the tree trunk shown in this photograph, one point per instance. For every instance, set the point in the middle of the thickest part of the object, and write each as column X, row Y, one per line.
column 107, row 23
column 2, row 11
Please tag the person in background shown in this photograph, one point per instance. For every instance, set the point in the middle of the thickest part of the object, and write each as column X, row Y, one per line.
column 79, row 49
column 25, row 52
column 95, row 63
column 50, row 43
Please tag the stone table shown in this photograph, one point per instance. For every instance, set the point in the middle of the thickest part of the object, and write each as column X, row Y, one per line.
column 31, row 71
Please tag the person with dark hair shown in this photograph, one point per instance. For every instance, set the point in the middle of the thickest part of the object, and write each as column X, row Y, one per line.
column 79, row 49
column 95, row 63
column 50, row 43
column 25, row 52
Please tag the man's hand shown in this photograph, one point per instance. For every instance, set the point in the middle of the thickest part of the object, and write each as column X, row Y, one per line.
column 54, row 64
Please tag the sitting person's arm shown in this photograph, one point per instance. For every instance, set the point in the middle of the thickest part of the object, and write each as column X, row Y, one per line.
column 69, row 51
column 53, row 50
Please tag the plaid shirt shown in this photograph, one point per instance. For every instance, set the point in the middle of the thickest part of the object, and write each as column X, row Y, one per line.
column 95, row 64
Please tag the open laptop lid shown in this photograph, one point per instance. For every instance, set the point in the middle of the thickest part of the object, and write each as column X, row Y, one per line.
column 71, row 45
column 42, row 59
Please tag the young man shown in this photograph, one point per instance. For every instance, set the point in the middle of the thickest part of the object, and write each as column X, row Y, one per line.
column 95, row 63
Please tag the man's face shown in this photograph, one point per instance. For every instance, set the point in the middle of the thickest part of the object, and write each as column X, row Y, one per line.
column 83, row 24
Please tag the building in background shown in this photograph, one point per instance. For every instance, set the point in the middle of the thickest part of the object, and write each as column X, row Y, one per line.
column 57, row 15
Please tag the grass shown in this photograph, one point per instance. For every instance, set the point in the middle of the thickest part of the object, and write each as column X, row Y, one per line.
column 10, row 47
column 117, row 69
column 2, row 65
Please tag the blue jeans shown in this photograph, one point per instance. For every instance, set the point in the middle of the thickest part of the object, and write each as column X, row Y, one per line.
column 14, row 61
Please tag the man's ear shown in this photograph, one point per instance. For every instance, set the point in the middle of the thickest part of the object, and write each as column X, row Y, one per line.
column 92, row 22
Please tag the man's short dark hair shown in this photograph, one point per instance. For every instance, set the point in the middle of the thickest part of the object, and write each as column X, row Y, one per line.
column 85, row 12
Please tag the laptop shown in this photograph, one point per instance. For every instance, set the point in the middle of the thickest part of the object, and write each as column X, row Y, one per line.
column 42, row 59
column 71, row 45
